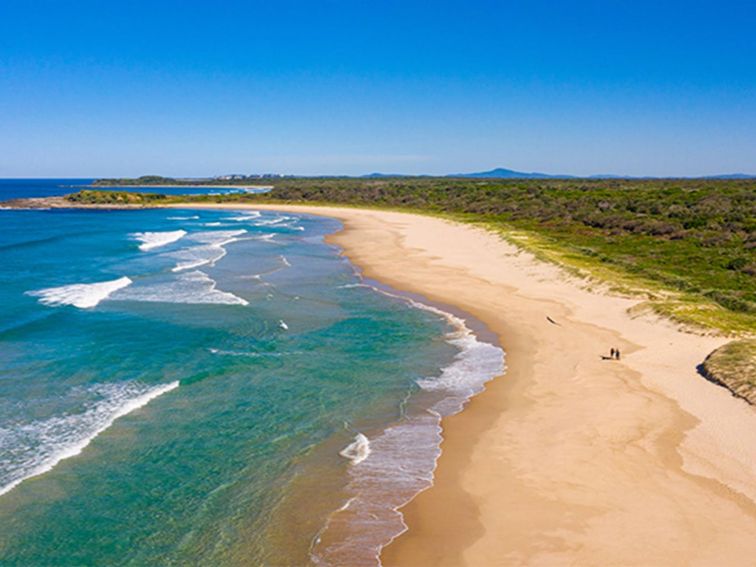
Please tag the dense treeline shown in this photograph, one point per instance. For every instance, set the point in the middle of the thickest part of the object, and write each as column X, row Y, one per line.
column 137, row 181
column 697, row 236
column 672, row 209
column 93, row 197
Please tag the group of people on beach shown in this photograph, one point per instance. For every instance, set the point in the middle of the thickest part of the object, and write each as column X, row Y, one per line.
column 614, row 353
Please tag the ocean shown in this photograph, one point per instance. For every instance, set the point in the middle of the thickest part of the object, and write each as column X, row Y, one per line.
column 211, row 387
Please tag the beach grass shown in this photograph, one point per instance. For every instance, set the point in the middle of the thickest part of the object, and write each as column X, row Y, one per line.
column 734, row 366
column 694, row 311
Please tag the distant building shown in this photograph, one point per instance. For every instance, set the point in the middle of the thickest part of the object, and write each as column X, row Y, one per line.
column 232, row 177
column 241, row 177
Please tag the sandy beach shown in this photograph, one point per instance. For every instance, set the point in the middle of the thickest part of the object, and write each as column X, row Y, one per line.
column 568, row 458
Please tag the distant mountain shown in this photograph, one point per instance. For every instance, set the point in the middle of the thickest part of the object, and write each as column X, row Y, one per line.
column 501, row 173
column 497, row 173
column 377, row 175
column 732, row 176
column 607, row 176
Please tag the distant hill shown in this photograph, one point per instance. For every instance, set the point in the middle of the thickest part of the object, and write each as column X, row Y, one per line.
column 378, row 175
column 502, row 173
column 732, row 176
column 497, row 173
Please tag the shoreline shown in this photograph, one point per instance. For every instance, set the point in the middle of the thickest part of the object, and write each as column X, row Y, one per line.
column 568, row 458
column 356, row 535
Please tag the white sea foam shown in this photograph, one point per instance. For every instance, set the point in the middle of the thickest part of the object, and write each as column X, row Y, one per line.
column 194, row 287
column 217, row 237
column 151, row 240
column 358, row 450
column 281, row 222
column 400, row 465
column 221, row 352
column 211, row 248
column 475, row 364
column 403, row 457
column 82, row 296
column 252, row 215
column 283, row 325
column 194, row 217
column 285, row 261
column 269, row 222
column 31, row 449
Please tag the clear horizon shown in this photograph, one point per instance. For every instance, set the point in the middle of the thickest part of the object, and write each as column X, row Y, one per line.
column 344, row 88
column 262, row 175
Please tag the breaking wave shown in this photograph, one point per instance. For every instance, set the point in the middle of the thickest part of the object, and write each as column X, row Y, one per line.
column 358, row 450
column 211, row 248
column 83, row 296
column 31, row 449
column 194, row 287
column 399, row 462
column 246, row 217
column 151, row 240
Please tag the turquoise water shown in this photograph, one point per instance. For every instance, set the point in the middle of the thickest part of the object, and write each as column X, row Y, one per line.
column 210, row 387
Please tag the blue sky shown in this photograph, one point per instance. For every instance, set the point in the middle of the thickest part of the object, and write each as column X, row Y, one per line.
column 350, row 87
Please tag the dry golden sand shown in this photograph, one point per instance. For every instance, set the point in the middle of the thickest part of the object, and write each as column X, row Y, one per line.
column 567, row 459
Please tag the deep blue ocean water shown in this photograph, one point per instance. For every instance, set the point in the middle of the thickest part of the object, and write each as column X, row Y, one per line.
column 24, row 188
column 209, row 387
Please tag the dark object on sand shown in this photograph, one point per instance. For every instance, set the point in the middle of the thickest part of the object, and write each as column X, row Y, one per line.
column 550, row 320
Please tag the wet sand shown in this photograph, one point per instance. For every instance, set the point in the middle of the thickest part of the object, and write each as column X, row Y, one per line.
column 568, row 458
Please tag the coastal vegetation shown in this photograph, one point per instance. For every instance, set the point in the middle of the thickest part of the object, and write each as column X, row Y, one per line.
column 138, row 181
column 94, row 197
column 688, row 246
column 734, row 366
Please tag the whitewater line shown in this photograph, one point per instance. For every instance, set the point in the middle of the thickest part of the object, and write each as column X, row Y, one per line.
column 76, row 448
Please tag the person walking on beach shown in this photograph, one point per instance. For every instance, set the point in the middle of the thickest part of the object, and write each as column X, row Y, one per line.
column 612, row 352
column 617, row 353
